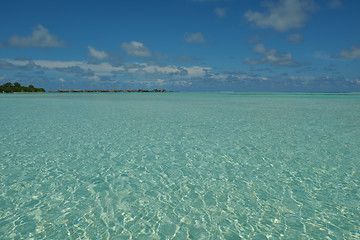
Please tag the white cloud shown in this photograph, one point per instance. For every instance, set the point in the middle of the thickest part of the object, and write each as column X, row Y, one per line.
column 145, row 68
column 62, row 80
column 303, row 78
column 220, row 12
column 283, row 15
column 40, row 37
column 295, row 38
column 97, row 54
column 323, row 56
column 237, row 77
column 159, row 83
column 219, row 77
column 96, row 79
column 335, row 4
column 150, row 83
column 168, row 70
column 271, row 57
column 353, row 53
column 194, row 38
column 136, row 49
column 196, row 71
column 161, row 69
column 53, row 64
column 259, row 48
column 354, row 81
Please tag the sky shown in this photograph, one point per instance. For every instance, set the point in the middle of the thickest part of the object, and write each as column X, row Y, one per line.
column 182, row 45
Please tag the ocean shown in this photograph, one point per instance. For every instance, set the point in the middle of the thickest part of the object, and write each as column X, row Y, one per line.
column 180, row 166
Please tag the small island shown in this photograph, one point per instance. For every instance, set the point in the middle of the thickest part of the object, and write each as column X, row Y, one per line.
column 17, row 88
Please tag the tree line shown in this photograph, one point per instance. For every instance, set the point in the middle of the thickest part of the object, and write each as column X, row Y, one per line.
column 16, row 87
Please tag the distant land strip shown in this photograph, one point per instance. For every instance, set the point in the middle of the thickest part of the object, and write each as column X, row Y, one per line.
column 17, row 88
column 104, row 90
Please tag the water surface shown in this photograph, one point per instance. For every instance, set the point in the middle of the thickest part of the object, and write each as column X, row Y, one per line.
column 179, row 166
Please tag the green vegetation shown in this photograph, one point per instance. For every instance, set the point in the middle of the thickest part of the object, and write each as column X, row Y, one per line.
column 16, row 87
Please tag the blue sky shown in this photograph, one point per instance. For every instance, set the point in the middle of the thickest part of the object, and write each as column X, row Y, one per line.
column 183, row 45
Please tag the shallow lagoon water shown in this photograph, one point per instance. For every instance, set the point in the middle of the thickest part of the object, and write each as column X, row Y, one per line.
column 180, row 166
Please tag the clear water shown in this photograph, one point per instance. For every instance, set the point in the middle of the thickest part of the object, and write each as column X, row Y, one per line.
column 179, row 166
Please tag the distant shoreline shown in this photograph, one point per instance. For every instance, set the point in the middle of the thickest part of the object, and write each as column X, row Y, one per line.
column 105, row 90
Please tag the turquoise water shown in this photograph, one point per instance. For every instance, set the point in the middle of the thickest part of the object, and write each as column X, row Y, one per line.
column 179, row 166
